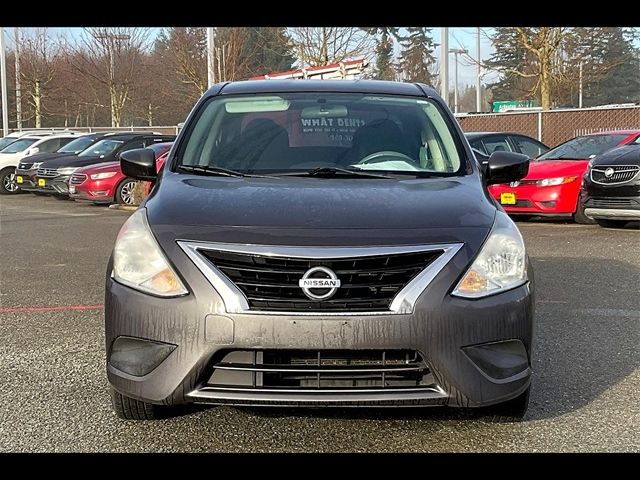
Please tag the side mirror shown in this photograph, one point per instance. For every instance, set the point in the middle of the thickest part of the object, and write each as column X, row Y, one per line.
column 483, row 161
column 506, row 167
column 139, row 163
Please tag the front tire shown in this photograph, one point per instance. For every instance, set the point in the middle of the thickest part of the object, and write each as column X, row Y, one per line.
column 510, row 411
column 8, row 185
column 580, row 217
column 612, row 223
column 124, row 191
column 129, row 408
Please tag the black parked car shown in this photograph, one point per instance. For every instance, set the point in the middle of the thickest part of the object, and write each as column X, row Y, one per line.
column 611, row 186
column 28, row 167
column 489, row 142
column 320, row 243
column 53, row 175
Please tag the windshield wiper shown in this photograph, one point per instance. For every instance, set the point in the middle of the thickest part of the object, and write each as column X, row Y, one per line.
column 219, row 171
column 333, row 171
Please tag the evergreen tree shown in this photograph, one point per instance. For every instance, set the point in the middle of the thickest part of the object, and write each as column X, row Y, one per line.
column 385, row 66
column 508, row 57
column 269, row 50
column 417, row 55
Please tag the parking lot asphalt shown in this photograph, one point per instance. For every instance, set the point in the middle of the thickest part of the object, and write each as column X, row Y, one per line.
column 54, row 395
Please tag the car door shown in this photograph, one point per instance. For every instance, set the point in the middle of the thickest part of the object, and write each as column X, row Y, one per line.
column 528, row 146
column 130, row 145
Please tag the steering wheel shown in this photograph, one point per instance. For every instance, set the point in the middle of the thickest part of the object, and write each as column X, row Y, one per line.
column 373, row 157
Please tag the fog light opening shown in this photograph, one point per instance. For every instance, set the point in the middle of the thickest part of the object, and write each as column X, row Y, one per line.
column 137, row 356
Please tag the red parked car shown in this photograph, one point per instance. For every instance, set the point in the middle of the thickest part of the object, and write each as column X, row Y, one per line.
column 105, row 182
column 552, row 186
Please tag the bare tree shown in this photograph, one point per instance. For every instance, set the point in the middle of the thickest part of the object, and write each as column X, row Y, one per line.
column 324, row 45
column 39, row 56
column 111, row 57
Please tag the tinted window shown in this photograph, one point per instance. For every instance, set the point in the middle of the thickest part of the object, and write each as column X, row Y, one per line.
column 77, row 145
column 478, row 146
column 101, row 148
column 294, row 131
column 6, row 141
column 49, row 146
column 583, row 148
column 19, row 145
column 132, row 145
column 496, row 144
column 529, row 147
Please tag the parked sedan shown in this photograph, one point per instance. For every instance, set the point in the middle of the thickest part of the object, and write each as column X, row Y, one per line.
column 105, row 182
column 489, row 142
column 552, row 186
column 28, row 166
column 26, row 146
column 53, row 175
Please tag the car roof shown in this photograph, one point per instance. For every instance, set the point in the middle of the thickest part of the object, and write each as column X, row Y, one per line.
column 475, row 135
column 340, row 86
column 130, row 135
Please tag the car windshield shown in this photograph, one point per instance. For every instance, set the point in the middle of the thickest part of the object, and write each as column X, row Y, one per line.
column 101, row 148
column 19, row 145
column 77, row 145
column 302, row 132
column 6, row 141
column 583, row 148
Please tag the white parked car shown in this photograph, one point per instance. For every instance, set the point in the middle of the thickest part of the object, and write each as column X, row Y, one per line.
column 24, row 146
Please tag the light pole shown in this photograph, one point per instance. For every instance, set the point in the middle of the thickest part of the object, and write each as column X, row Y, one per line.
column 444, row 65
column 478, row 73
column 110, row 37
column 211, row 66
column 456, row 52
column 3, row 80
column 580, row 90
column 16, row 37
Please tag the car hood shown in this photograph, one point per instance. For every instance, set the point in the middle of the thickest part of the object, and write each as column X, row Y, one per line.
column 43, row 157
column 72, row 161
column 101, row 167
column 556, row 168
column 627, row 155
column 320, row 211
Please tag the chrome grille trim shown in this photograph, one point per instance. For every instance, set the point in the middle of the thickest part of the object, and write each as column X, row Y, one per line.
column 621, row 174
column 47, row 172
column 236, row 302
column 77, row 179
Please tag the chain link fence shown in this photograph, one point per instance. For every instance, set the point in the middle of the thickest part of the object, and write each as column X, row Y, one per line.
column 554, row 126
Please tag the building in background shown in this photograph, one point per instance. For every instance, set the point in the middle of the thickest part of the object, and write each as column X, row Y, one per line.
column 347, row 70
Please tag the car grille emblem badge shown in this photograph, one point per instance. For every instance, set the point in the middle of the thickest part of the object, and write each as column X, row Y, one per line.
column 609, row 172
column 514, row 184
column 319, row 283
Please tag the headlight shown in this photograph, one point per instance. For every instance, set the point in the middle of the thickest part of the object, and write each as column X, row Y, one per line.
column 100, row 176
column 139, row 263
column 500, row 265
column 548, row 182
column 67, row 170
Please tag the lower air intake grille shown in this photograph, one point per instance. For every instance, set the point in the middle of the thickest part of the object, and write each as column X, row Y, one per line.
column 321, row 370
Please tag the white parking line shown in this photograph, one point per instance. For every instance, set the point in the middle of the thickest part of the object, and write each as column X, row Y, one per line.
column 610, row 312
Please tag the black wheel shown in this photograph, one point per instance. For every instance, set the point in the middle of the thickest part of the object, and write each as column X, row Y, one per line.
column 8, row 185
column 579, row 215
column 124, row 191
column 131, row 409
column 612, row 223
column 510, row 411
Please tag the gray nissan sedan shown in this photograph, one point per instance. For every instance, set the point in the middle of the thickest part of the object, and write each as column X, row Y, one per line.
column 320, row 243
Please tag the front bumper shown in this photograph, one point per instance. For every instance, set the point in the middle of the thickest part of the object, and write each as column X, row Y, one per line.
column 97, row 191
column 440, row 328
column 536, row 200
column 58, row 185
column 26, row 179
column 612, row 213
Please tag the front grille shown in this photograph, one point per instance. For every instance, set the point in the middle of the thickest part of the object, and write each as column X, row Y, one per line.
column 367, row 283
column 47, row 172
column 617, row 174
column 77, row 179
column 595, row 202
column 320, row 370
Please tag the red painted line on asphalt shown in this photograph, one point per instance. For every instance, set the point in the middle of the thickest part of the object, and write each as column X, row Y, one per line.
column 55, row 308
